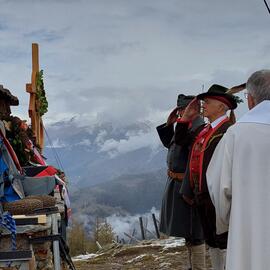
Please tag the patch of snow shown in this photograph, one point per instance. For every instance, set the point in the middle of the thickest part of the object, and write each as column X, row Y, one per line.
column 173, row 243
column 172, row 253
column 164, row 264
column 84, row 257
column 167, row 254
column 138, row 258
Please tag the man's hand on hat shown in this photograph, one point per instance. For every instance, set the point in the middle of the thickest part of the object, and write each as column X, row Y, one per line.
column 192, row 110
column 172, row 117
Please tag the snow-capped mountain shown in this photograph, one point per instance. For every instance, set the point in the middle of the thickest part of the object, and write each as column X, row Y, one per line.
column 93, row 154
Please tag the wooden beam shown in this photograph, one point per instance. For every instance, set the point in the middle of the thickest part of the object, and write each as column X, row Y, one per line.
column 29, row 88
column 35, row 65
column 33, row 110
column 41, row 134
column 39, row 219
column 15, row 255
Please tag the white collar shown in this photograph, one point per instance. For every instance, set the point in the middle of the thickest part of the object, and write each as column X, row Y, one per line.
column 259, row 114
column 217, row 121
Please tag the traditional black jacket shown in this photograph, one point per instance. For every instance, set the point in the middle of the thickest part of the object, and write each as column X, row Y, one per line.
column 201, row 199
column 177, row 218
column 183, row 136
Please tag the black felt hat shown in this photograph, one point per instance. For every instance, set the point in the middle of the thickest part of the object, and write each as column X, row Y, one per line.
column 183, row 101
column 219, row 92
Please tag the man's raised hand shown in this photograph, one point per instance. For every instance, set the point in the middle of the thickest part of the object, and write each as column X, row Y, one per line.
column 192, row 110
column 172, row 117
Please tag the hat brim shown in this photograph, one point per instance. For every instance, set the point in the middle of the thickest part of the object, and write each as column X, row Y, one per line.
column 227, row 96
column 183, row 100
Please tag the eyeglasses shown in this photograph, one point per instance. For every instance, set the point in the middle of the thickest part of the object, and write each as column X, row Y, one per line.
column 246, row 95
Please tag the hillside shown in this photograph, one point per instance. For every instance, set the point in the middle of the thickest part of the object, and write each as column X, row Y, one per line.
column 114, row 172
column 125, row 195
column 100, row 153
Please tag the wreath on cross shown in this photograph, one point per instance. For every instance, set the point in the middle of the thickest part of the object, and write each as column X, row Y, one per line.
column 40, row 94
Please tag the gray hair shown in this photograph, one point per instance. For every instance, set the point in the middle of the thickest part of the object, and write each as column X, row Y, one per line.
column 258, row 85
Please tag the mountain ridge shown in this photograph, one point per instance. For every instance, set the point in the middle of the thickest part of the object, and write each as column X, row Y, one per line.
column 100, row 153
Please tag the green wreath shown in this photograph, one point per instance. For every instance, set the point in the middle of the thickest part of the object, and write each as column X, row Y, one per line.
column 41, row 95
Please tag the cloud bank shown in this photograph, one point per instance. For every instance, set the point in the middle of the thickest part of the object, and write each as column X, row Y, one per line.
column 126, row 61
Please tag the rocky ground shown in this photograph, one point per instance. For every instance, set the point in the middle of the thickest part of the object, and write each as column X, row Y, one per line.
column 150, row 255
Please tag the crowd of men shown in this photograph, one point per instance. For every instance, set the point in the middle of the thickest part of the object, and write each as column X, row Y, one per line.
column 218, row 188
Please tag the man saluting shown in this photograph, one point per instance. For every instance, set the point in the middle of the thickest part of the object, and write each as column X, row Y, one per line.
column 215, row 103
column 177, row 217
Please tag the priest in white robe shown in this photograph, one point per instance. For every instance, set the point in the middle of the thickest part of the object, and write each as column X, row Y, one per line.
column 238, row 179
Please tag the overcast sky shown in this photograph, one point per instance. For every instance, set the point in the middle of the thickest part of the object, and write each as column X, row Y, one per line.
column 125, row 60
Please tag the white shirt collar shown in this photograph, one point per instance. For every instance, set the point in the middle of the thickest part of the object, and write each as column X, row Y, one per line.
column 217, row 121
column 259, row 114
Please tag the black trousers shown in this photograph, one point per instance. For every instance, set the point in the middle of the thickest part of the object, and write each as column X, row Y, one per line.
column 177, row 218
column 207, row 215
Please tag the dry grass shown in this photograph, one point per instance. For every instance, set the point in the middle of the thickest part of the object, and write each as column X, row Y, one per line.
column 143, row 256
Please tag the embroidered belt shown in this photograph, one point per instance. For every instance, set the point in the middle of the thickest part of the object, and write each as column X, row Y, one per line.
column 176, row 176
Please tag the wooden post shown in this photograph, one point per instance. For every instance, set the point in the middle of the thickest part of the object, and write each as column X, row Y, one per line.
column 98, row 245
column 133, row 233
column 131, row 237
column 56, row 249
column 155, row 224
column 150, row 232
column 142, row 229
column 32, row 263
column 33, row 110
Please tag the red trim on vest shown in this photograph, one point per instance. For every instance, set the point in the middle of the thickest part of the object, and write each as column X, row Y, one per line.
column 206, row 140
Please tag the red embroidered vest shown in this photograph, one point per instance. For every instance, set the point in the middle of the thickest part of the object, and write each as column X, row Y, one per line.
column 197, row 155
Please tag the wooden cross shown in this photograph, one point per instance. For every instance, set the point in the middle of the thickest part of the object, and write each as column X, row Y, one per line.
column 33, row 110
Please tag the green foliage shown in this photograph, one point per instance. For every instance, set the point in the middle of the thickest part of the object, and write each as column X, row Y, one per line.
column 78, row 240
column 18, row 139
column 18, row 147
column 104, row 233
column 41, row 95
column 81, row 243
column 238, row 99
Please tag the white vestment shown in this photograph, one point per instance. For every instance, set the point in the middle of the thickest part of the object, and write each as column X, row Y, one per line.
column 238, row 179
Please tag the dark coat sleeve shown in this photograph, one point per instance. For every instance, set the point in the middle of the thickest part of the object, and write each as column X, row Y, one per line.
column 165, row 134
column 183, row 135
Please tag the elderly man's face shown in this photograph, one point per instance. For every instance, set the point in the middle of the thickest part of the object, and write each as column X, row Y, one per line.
column 212, row 108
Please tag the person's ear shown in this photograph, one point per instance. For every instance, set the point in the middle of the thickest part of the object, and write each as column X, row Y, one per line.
column 251, row 101
column 220, row 107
